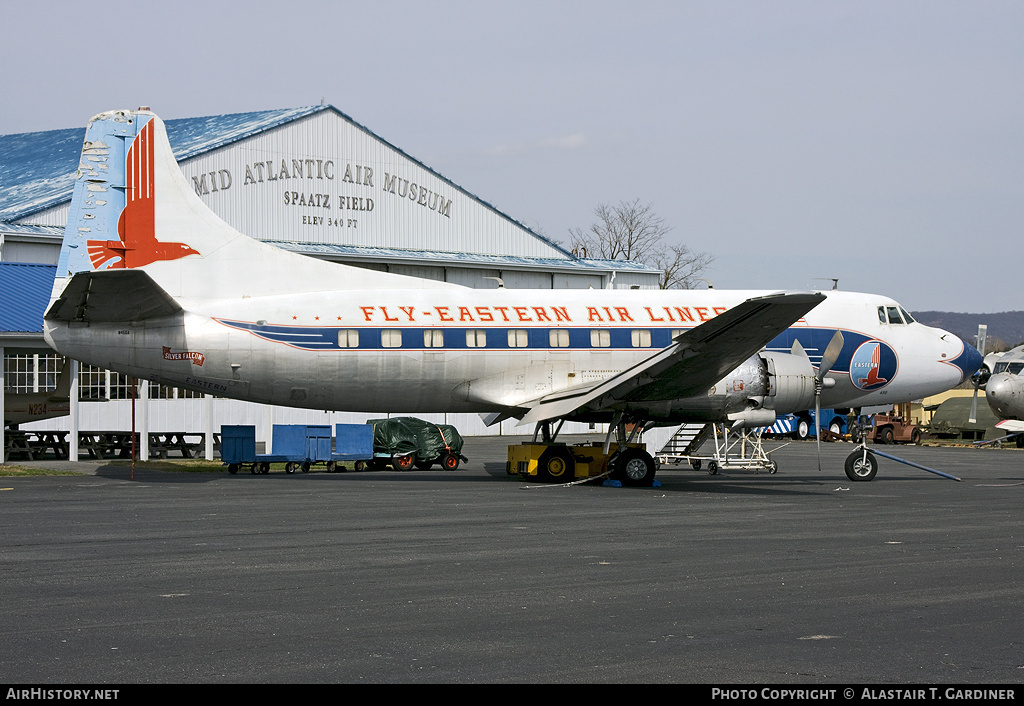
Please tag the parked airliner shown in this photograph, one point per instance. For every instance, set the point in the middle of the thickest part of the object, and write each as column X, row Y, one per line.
column 151, row 283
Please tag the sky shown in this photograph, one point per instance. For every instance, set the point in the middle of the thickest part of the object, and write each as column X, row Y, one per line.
column 795, row 141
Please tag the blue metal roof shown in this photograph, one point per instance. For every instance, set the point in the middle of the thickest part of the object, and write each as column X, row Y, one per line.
column 37, row 169
column 29, row 287
column 579, row 265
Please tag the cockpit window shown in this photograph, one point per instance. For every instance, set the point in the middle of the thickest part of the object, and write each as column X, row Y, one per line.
column 907, row 317
column 894, row 315
column 881, row 315
column 1015, row 368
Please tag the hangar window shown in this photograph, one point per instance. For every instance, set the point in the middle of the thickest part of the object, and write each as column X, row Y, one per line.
column 391, row 338
column 600, row 338
column 476, row 338
column 641, row 338
column 518, row 338
column 348, row 338
column 92, row 383
column 433, row 338
column 558, row 338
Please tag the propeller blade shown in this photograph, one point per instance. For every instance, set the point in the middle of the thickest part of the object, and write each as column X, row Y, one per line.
column 828, row 359
column 817, row 425
column 832, row 351
column 982, row 335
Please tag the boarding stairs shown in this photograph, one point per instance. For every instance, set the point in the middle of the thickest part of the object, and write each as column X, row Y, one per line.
column 741, row 450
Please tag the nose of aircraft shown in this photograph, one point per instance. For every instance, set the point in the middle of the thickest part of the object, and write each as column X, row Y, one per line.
column 1003, row 394
column 969, row 361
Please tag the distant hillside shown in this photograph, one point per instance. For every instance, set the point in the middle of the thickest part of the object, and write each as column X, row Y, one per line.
column 1005, row 329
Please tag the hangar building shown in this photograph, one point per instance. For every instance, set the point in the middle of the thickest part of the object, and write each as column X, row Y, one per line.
column 311, row 180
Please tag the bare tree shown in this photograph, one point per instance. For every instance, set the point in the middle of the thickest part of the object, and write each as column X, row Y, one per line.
column 633, row 231
column 680, row 267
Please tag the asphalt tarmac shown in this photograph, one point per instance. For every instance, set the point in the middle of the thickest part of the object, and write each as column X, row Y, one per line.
column 472, row 576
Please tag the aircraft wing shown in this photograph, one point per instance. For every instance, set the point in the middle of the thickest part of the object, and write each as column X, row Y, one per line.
column 696, row 360
column 108, row 296
column 1011, row 425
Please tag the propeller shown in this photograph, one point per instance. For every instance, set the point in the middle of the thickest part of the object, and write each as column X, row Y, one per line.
column 831, row 355
column 977, row 377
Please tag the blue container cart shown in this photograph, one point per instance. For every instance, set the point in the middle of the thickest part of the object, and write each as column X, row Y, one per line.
column 238, row 446
column 353, row 445
column 299, row 446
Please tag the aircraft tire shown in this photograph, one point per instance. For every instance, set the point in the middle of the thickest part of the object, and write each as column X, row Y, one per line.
column 556, row 465
column 635, row 468
column 861, row 467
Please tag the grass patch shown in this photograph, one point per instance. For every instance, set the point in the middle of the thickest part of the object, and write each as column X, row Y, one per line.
column 11, row 471
column 185, row 465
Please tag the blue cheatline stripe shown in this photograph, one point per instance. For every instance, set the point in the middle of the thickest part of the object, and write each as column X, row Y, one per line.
column 382, row 338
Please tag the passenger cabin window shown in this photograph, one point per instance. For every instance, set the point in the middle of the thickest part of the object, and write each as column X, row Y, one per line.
column 641, row 338
column 518, row 338
column 391, row 338
column 558, row 338
column 433, row 338
column 348, row 338
column 600, row 338
column 476, row 338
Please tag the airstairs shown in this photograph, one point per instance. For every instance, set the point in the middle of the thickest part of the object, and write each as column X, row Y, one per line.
column 733, row 450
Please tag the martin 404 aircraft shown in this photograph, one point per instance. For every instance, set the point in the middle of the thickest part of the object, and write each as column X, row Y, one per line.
column 1002, row 378
column 153, row 284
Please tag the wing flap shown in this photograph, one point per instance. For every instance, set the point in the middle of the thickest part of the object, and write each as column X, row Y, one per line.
column 110, row 296
column 696, row 360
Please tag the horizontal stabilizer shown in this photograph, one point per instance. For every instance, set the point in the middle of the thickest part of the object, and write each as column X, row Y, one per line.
column 109, row 296
column 1011, row 425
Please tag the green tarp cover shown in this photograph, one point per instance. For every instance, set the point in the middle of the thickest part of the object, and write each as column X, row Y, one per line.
column 401, row 436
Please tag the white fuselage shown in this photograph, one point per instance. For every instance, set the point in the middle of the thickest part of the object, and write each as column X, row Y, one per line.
column 459, row 350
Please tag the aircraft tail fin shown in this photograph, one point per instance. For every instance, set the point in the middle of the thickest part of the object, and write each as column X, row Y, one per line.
column 133, row 209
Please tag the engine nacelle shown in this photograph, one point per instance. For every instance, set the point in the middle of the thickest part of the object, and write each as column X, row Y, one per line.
column 790, row 381
column 764, row 386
